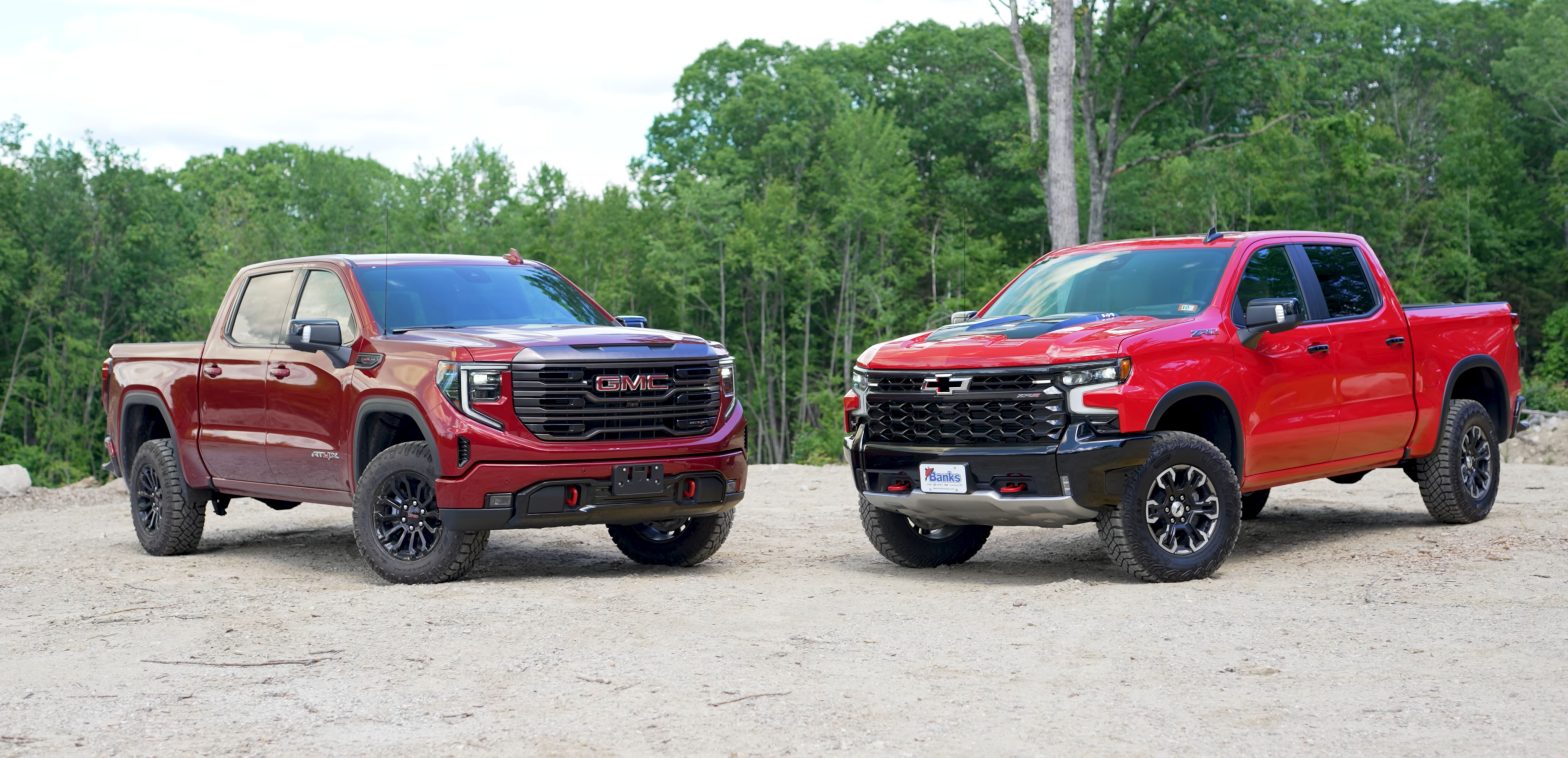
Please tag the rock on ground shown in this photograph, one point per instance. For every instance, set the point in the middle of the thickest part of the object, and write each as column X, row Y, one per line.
column 1546, row 441
column 14, row 480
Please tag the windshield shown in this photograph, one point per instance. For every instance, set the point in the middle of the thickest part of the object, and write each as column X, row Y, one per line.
column 1159, row 283
column 445, row 295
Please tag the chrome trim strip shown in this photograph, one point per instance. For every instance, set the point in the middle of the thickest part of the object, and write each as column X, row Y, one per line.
column 985, row 508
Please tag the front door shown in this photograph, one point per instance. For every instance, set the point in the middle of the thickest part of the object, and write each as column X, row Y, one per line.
column 308, row 432
column 1295, row 418
column 233, row 380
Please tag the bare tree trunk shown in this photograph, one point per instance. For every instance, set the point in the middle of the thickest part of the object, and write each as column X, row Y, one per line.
column 1061, row 191
column 1032, row 106
column 16, row 362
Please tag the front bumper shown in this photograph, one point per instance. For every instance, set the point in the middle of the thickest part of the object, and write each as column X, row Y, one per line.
column 532, row 495
column 1066, row 483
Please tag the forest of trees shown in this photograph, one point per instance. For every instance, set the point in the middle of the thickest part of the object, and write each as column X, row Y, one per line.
column 801, row 204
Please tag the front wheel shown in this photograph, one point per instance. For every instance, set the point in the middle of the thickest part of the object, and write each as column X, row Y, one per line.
column 673, row 542
column 1459, row 479
column 397, row 522
column 1179, row 515
column 916, row 546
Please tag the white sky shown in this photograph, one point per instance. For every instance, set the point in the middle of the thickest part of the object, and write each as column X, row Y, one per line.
column 572, row 84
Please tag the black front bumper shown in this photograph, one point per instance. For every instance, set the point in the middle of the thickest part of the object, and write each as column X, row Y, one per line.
column 545, row 505
column 1064, row 483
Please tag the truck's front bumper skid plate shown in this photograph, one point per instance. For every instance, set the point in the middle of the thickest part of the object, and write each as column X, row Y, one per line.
column 1067, row 483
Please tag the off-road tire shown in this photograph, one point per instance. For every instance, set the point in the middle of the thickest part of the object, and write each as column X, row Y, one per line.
column 453, row 552
column 280, row 505
column 1125, row 530
column 1439, row 475
column 1252, row 504
column 697, row 540
column 175, row 528
column 900, row 541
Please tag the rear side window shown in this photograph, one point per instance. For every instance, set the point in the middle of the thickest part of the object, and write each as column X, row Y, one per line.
column 1268, row 274
column 258, row 320
column 323, row 297
column 1343, row 279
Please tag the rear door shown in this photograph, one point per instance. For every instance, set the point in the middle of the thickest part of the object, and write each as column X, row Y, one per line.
column 233, row 383
column 1376, row 392
column 306, row 395
column 1295, row 416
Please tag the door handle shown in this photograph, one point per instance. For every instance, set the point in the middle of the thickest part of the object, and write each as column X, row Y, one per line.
column 213, row 371
column 280, row 371
column 1317, row 349
column 1394, row 341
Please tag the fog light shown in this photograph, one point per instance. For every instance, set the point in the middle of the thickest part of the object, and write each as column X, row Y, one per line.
column 498, row 500
column 730, row 485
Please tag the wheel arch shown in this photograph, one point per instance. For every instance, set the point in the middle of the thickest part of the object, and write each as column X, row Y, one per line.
column 1192, row 408
column 143, row 416
column 1480, row 378
column 381, row 422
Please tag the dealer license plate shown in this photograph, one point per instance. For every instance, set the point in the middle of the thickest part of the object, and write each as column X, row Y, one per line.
column 946, row 478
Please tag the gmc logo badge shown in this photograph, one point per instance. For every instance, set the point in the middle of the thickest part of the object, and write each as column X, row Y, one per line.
column 624, row 383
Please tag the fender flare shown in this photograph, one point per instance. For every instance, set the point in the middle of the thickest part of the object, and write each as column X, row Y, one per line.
column 390, row 405
column 1203, row 389
column 134, row 398
column 1504, row 424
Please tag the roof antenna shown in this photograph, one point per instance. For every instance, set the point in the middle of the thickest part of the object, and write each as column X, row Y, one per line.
column 1214, row 234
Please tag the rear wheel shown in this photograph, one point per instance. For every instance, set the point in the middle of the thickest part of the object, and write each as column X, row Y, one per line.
column 168, row 519
column 397, row 522
column 1459, row 479
column 1252, row 504
column 673, row 542
column 1179, row 515
column 907, row 543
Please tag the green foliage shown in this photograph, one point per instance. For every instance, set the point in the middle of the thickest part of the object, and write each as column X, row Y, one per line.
column 801, row 204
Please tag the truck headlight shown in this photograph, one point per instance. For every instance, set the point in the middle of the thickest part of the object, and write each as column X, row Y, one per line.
column 858, row 381
column 1116, row 372
column 727, row 377
column 464, row 384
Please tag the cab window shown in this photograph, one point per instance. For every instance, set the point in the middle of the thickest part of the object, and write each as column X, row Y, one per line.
column 1346, row 290
column 1268, row 274
column 258, row 318
column 324, row 297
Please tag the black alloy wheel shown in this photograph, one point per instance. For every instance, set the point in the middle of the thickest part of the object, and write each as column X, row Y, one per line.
column 408, row 523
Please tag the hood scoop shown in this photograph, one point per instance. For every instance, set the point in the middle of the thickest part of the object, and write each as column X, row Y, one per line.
column 1016, row 327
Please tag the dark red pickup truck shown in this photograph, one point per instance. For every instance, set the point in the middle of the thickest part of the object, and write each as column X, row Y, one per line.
column 440, row 396
column 1160, row 387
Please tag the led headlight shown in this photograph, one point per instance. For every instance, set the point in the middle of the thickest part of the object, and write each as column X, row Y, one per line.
column 727, row 377
column 858, row 381
column 464, row 384
column 1109, row 373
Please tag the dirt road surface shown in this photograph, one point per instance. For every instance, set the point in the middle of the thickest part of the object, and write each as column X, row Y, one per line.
column 1346, row 621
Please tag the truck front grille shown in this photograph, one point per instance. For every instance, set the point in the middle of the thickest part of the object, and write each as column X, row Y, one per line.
column 559, row 402
column 994, row 408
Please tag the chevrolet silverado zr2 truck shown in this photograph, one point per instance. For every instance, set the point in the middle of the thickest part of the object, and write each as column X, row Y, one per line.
column 1161, row 387
column 441, row 397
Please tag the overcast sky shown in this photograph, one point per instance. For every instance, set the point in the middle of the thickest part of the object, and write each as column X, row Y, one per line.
column 575, row 84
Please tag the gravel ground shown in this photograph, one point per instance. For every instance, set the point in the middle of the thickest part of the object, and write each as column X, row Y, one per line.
column 1346, row 621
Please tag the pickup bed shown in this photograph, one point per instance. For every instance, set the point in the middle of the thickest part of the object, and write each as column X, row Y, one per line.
column 441, row 397
column 1161, row 387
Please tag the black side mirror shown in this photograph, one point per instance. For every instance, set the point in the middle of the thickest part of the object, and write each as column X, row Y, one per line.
column 1267, row 315
column 636, row 322
column 960, row 317
column 319, row 335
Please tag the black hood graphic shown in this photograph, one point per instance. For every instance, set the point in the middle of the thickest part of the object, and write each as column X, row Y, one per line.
column 1016, row 327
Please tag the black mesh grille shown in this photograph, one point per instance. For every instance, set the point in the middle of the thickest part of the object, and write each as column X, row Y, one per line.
column 995, row 409
column 570, row 403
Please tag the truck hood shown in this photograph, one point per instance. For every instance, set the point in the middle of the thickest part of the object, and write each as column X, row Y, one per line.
column 1012, row 341
column 566, row 342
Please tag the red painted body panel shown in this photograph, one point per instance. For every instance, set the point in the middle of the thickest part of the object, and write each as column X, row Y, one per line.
column 280, row 423
column 1301, row 416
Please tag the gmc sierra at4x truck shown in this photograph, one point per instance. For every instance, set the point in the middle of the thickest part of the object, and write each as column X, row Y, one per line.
column 1160, row 387
column 441, row 397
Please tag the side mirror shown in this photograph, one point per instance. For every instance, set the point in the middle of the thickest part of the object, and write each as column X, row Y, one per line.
column 1267, row 315
column 636, row 322
column 319, row 335
column 960, row 317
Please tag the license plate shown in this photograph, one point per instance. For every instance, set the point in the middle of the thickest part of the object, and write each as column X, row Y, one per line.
column 946, row 478
column 637, row 480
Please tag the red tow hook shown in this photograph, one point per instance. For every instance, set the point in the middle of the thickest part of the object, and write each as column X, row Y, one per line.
column 899, row 486
column 1012, row 488
column 689, row 489
column 573, row 495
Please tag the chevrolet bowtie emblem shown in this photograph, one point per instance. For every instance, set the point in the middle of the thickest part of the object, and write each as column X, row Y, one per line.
column 946, row 384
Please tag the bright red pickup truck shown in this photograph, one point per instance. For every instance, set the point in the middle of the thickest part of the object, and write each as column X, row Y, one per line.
column 1160, row 387
column 441, row 397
